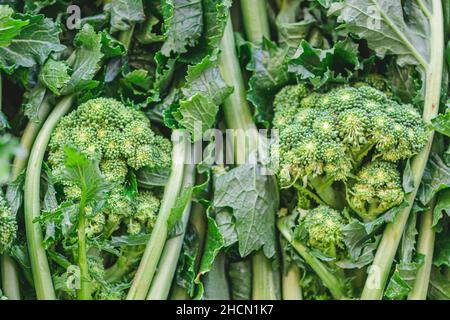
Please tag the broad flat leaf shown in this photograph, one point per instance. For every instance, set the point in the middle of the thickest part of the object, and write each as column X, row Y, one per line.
column 436, row 177
column 9, row 27
column 54, row 75
column 205, row 78
column 254, row 200
column 33, row 6
column 183, row 24
column 87, row 60
column 185, row 274
column 225, row 223
column 32, row 46
column 442, row 123
column 177, row 211
column 388, row 27
column 124, row 13
column 196, row 114
column 215, row 13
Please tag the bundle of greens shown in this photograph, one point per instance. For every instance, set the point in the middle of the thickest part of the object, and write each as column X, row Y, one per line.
column 332, row 183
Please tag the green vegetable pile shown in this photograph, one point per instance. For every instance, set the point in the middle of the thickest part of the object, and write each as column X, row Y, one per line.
column 219, row 149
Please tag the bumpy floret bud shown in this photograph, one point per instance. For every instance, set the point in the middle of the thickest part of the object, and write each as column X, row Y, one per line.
column 8, row 226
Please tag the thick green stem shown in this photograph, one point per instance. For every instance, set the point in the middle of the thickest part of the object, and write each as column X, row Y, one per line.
column 381, row 266
column 162, row 282
column 256, row 23
column 147, row 267
column 264, row 284
column 330, row 280
column 291, row 286
column 38, row 259
column 238, row 117
column 10, row 278
column 126, row 36
column 326, row 192
column 84, row 293
column 425, row 246
column 215, row 281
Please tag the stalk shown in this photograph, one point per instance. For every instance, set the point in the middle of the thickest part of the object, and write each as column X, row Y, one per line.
column 425, row 246
column 84, row 293
column 238, row 117
column 330, row 280
column 161, row 284
column 256, row 23
column 291, row 286
column 147, row 267
column 290, row 280
column 379, row 271
column 38, row 259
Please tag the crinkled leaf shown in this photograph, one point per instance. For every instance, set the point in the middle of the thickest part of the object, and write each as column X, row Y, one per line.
column 227, row 228
column 441, row 256
column 408, row 181
column 215, row 13
column 442, row 123
column 269, row 65
column 149, row 177
column 125, row 13
column 436, row 177
column 54, row 75
column 441, row 207
column 85, row 174
column 177, row 211
column 33, row 6
column 388, row 27
column 402, row 280
column 147, row 34
column 439, row 286
column 254, row 200
column 14, row 193
column 33, row 100
column 87, row 58
column 9, row 27
column 205, row 78
column 32, row 45
column 111, row 47
column 185, row 274
column 196, row 114
column 183, row 24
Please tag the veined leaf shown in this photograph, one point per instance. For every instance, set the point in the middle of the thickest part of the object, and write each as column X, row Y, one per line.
column 54, row 75
column 124, row 13
column 9, row 27
column 254, row 200
column 436, row 177
column 183, row 24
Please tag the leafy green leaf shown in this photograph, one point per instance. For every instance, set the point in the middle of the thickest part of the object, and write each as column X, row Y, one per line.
column 388, row 27
column 185, row 274
column 436, row 177
column 150, row 177
column 226, row 225
column 32, row 45
column 442, row 123
column 54, row 75
column 196, row 114
column 254, row 200
column 215, row 13
column 269, row 65
column 124, row 13
column 205, row 78
column 33, row 101
column 177, row 211
column 183, row 24
column 87, row 58
column 441, row 255
column 439, row 286
column 85, row 174
column 9, row 27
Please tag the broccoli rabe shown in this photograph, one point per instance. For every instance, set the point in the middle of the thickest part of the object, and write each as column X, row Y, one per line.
column 377, row 188
column 326, row 137
column 8, row 226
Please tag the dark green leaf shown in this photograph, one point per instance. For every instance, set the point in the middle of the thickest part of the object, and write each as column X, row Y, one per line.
column 442, row 123
column 441, row 207
column 254, row 200
column 183, row 24
column 54, row 75
column 227, row 228
column 125, row 13
column 441, row 255
column 240, row 274
column 436, row 177
column 177, row 211
column 439, row 286
column 33, row 100
column 149, row 177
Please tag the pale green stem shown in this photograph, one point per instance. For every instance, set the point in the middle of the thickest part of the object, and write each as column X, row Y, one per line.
column 41, row 271
column 381, row 266
column 291, row 286
column 162, row 281
column 256, row 23
column 425, row 246
column 147, row 267
column 84, row 293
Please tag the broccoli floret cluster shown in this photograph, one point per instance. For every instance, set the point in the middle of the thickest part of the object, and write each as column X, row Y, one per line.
column 8, row 226
column 122, row 139
column 321, row 229
column 120, row 136
column 376, row 189
column 329, row 133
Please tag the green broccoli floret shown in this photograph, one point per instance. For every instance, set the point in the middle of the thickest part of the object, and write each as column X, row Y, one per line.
column 8, row 226
column 377, row 188
column 327, row 135
column 321, row 229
